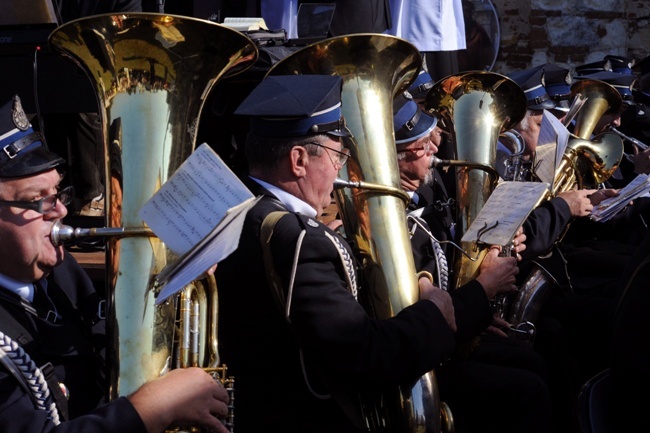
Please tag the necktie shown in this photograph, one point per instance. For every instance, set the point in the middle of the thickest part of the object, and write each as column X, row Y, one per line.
column 43, row 303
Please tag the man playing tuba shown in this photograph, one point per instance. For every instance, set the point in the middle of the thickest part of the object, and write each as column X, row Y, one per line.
column 52, row 335
column 288, row 294
column 520, row 385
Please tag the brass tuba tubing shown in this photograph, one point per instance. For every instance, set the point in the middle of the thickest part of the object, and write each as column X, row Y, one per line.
column 397, row 192
column 639, row 144
column 437, row 162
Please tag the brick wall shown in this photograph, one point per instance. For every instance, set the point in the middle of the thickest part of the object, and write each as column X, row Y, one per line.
column 570, row 33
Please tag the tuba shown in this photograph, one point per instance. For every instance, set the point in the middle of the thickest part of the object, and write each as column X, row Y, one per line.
column 585, row 164
column 477, row 107
column 374, row 68
column 589, row 161
column 151, row 73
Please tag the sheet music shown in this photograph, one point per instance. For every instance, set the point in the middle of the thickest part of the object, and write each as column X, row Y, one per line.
column 198, row 213
column 245, row 23
column 215, row 247
column 608, row 208
column 505, row 211
column 193, row 200
column 551, row 145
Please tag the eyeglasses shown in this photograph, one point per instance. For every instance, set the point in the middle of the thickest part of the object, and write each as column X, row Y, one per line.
column 341, row 155
column 46, row 204
column 418, row 150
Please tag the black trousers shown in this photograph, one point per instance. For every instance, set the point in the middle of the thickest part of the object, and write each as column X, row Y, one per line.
column 501, row 387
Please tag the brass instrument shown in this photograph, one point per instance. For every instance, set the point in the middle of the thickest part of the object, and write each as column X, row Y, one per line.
column 585, row 164
column 476, row 108
column 639, row 146
column 374, row 68
column 514, row 168
column 589, row 161
column 151, row 73
column 600, row 98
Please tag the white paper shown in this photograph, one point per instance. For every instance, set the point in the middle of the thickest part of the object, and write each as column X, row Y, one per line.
column 551, row 145
column 504, row 212
column 606, row 209
column 215, row 247
column 245, row 23
column 193, row 200
column 198, row 213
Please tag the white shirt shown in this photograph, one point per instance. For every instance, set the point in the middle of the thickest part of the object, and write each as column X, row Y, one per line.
column 22, row 289
column 430, row 25
column 291, row 202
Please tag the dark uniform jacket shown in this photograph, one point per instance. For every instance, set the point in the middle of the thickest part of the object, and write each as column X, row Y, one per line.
column 471, row 306
column 286, row 369
column 483, row 364
column 73, row 346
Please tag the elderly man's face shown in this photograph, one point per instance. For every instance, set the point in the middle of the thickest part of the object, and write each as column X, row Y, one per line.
column 27, row 253
column 414, row 160
column 316, row 188
column 529, row 129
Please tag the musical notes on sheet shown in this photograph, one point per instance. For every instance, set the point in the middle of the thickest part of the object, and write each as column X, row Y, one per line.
column 504, row 212
column 193, row 200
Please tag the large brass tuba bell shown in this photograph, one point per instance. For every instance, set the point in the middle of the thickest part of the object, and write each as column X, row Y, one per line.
column 374, row 68
column 476, row 108
column 151, row 73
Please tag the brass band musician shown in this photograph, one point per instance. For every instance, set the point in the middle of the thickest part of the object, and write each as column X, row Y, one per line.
column 52, row 372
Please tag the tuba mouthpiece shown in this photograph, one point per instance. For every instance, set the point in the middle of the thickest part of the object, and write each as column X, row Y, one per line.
column 60, row 233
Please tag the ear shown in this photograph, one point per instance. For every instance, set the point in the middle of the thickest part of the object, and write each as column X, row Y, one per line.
column 299, row 161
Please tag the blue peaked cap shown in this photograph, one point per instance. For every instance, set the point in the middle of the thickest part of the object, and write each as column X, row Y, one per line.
column 23, row 151
column 296, row 106
column 621, row 82
column 421, row 86
column 531, row 82
column 409, row 121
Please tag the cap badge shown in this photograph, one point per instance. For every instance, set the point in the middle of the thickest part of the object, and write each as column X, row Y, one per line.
column 18, row 115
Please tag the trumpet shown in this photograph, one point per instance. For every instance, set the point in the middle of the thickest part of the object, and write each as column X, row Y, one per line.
column 638, row 145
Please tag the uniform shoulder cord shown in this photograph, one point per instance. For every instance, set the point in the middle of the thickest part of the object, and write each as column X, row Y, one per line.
column 21, row 366
column 40, row 383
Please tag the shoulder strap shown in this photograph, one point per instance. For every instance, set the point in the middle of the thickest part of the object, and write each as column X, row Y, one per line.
column 266, row 233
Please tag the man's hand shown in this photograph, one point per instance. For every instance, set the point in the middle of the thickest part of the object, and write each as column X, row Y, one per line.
column 440, row 298
column 602, row 194
column 498, row 327
column 497, row 274
column 579, row 201
column 185, row 396
column 519, row 243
